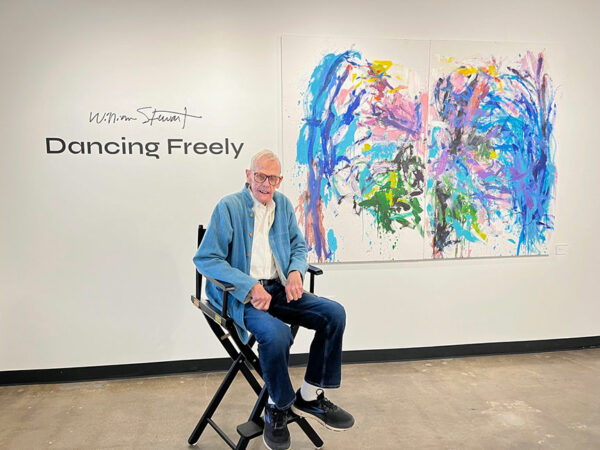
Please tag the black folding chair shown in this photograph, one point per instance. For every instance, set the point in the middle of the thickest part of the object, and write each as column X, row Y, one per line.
column 244, row 359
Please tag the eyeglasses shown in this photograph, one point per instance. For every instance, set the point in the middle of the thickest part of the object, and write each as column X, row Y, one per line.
column 261, row 177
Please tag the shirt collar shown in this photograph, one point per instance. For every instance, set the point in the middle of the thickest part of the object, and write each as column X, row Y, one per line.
column 269, row 206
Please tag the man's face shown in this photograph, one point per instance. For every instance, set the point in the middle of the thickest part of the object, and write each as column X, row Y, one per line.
column 264, row 191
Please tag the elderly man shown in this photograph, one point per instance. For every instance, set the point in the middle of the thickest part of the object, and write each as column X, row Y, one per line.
column 254, row 243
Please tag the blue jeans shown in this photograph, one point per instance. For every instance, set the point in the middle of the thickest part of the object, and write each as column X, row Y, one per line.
column 274, row 338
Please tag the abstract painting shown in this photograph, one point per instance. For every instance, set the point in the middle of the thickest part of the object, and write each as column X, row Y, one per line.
column 403, row 150
column 491, row 168
column 357, row 169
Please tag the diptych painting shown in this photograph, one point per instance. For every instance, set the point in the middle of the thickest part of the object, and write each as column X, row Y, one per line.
column 401, row 150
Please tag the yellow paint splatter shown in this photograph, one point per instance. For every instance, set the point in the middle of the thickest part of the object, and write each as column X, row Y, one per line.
column 371, row 193
column 366, row 147
column 381, row 67
column 493, row 154
column 390, row 197
column 401, row 86
column 492, row 70
column 467, row 70
column 481, row 234
column 393, row 179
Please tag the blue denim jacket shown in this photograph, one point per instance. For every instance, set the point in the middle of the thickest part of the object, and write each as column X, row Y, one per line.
column 225, row 251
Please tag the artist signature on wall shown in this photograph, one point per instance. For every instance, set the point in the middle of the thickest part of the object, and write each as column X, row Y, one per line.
column 148, row 115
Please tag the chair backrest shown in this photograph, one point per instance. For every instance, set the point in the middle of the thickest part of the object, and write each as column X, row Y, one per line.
column 211, row 312
column 201, row 231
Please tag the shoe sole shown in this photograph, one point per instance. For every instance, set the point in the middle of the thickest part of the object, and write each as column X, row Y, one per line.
column 271, row 448
column 306, row 415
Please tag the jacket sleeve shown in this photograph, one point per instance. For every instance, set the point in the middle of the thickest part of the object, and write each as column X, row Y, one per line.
column 298, row 251
column 211, row 257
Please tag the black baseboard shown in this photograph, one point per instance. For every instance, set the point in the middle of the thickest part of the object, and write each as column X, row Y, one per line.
column 73, row 374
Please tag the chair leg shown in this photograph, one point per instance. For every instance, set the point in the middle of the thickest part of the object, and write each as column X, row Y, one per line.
column 255, row 416
column 251, row 379
column 242, row 444
column 244, row 361
column 259, row 406
column 310, row 432
column 216, row 400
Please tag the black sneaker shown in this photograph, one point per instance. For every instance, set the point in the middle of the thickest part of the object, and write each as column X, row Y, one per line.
column 325, row 412
column 276, row 435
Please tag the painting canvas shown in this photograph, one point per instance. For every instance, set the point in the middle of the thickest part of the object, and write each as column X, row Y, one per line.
column 491, row 167
column 402, row 150
column 354, row 130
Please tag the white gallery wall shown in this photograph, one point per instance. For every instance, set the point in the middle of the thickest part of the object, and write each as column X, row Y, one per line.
column 96, row 249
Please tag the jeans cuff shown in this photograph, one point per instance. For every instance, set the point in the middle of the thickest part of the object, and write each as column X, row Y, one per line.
column 322, row 385
column 289, row 405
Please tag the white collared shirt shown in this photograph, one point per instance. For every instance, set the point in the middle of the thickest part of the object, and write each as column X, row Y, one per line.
column 262, row 263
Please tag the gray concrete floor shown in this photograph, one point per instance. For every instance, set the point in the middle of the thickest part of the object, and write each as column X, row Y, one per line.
column 547, row 400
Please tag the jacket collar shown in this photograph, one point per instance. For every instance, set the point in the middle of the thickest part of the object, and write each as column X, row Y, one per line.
column 247, row 195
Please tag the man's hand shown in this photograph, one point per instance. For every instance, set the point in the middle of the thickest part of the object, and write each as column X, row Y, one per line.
column 260, row 298
column 293, row 287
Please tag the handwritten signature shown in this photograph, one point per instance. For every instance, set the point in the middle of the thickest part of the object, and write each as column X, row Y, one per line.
column 148, row 114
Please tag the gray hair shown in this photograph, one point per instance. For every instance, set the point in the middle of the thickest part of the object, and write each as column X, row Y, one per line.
column 267, row 154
